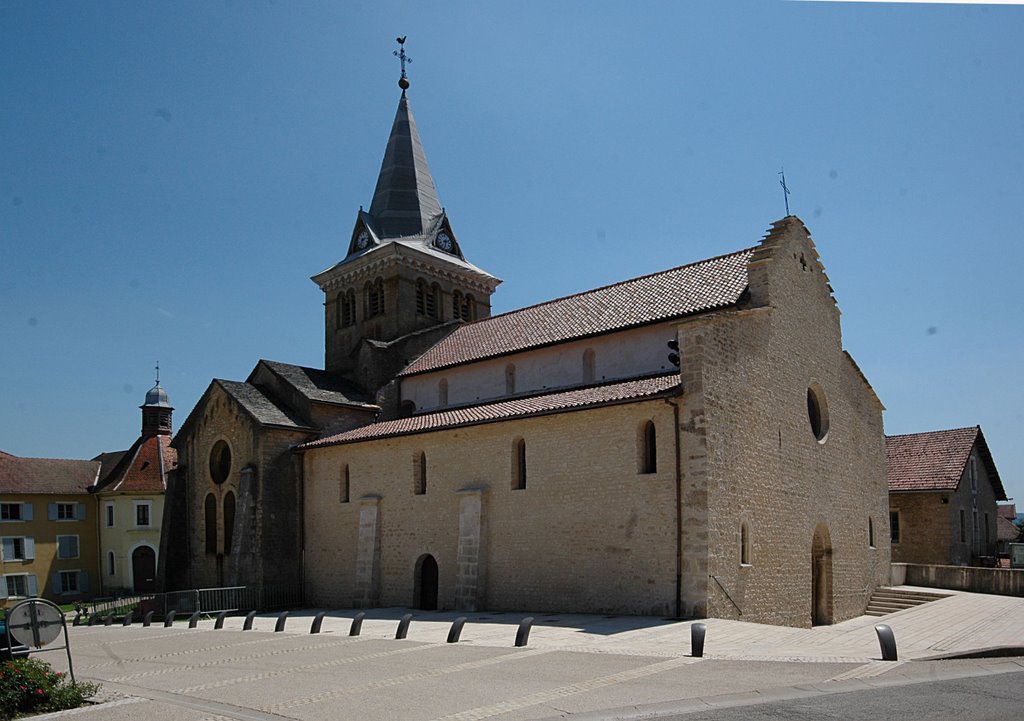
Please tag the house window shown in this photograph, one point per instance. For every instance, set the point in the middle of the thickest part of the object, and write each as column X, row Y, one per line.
column 111, row 564
column 18, row 548
column 142, row 514
column 343, row 493
column 588, row 366
column 68, row 582
column 211, row 523
column 894, row 526
column 109, row 514
column 510, row 379
column 66, row 511
column 17, row 585
column 963, row 526
column 648, row 447
column 744, row 545
column 12, row 512
column 419, row 471
column 67, row 546
column 518, row 464
column 972, row 471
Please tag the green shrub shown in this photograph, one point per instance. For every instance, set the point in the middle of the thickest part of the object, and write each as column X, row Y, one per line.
column 28, row 685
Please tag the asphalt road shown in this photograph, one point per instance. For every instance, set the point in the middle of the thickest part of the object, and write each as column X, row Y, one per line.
column 983, row 698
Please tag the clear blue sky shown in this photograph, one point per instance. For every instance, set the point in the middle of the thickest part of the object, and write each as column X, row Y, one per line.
column 171, row 174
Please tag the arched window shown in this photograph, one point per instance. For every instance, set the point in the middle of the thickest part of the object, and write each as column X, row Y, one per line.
column 871, row 532
column 426, row 298
column 374, row 298
column 744, row 545
column 419, row 472
column 346, row 310
column 211, row 523
column 647, row 442
column 588, row 365
column 345, row 481
column 510, row 379
column 518, row 464
column 111, row 563
column 442, row 392
column 463, row 306
column 229, row 521
column 434, row 302
column 220, row 462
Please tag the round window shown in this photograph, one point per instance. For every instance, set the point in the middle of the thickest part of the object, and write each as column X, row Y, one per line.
column 817, row 412
column 220, row 462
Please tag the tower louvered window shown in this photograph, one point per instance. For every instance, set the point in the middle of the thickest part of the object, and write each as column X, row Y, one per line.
column 346, row 309
column 375, row 298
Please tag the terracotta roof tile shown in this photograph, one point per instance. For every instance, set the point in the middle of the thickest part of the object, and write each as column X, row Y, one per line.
column 144, row 467
column 46, row 475
column 701, row 286
column 935, row 461
column 503, row 410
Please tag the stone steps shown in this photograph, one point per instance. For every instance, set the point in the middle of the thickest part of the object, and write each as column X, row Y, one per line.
column 890, row 600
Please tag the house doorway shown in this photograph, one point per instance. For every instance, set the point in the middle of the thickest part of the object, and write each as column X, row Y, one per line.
column 144, row 569
column 821, row 577
column 425, row 585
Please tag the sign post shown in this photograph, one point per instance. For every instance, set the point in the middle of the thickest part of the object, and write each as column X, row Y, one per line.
column 36, row 623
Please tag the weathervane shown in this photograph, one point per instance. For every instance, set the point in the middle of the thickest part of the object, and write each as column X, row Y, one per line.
column 158, row 372
column 403, row 82
column 785, row 190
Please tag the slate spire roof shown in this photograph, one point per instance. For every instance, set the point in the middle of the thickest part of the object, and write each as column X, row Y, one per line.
column 405, row 201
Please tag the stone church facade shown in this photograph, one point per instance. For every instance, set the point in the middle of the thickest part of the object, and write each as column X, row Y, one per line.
column 554, row 458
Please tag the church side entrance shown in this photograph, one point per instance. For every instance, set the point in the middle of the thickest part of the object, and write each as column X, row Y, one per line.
column 821, row 577
column 425, row 584
column 144, row 569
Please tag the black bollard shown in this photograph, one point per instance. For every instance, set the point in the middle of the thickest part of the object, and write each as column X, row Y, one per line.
column 456, row 630
column 193, row 620
column 318, row 621
column 148, row 618
column 280, row 622
column 403, row 626
column 523, row 634
column 92, row 619
column 127, row 619
column 78, row 619
column 697, row 633
column 887, row 642
column 109, row 619
column 357, row 624
column 169, row 618
column 248, row 621
column 220, row 620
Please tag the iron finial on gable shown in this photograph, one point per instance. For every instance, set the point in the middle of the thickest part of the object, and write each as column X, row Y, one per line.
column 403, row 82
column 785, row 189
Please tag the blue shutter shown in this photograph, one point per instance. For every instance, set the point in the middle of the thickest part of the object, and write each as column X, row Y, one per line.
column 51, row 511
column 31, row 586
column 80, row 511
column 55, row 582
column 3, row 586
column 26, row 511
column 8, row 549
column 30, row 548
column 83, row 582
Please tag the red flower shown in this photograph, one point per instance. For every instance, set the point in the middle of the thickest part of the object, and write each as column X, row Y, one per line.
column 39, row 692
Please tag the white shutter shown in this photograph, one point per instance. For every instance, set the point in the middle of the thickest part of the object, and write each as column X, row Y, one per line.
column 30, row 548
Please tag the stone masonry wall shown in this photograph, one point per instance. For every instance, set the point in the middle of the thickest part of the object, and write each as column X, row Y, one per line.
column 589, row 533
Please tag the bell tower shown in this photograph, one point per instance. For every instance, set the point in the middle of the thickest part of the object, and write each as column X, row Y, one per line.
column 156, row 411
column 404, row 270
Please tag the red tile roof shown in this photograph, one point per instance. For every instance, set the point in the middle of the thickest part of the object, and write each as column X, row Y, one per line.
column 143, row 468
column 579, row 398
column 935, row 461
column 701, row 286
column 46, row 475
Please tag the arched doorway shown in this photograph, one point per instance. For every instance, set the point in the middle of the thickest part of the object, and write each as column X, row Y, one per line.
column 425, row 585
column 144, row 569
column 821, row 577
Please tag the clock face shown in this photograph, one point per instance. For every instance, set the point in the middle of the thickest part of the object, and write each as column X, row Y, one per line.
column 363, row 240
column 444, row 241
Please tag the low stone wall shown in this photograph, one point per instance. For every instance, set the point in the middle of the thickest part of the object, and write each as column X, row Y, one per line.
column 1001, row 581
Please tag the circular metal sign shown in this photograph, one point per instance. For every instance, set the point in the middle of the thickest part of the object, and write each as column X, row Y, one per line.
column 35, row 623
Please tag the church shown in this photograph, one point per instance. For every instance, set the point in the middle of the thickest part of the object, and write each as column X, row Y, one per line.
column 691, row 443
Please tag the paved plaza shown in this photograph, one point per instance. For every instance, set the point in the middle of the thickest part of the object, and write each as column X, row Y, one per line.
column 574, row 665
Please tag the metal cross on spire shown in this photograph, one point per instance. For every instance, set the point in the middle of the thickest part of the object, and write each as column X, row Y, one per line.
column 403, row 82
column 158, row 372
column 785, row 189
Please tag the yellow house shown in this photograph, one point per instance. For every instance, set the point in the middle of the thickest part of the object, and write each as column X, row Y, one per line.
column 47, row 528
column 130, row 497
